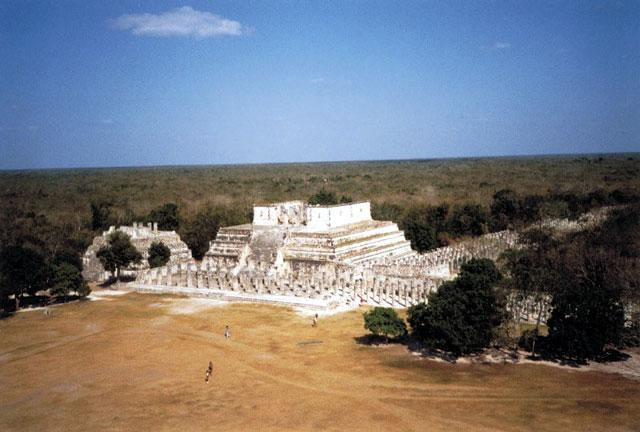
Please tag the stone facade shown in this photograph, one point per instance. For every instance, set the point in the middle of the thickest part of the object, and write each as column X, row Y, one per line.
column 141, row 237
column 292, row 236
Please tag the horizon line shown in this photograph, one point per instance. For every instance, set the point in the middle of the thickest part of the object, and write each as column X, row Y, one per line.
column 344, row 161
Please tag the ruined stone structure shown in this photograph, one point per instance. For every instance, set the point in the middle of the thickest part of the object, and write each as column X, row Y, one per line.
column 141, row 237
column 337, row 254
column 292, row 237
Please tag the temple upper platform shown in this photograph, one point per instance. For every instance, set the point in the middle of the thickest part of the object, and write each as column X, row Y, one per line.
column 314, row 217
column 292, row 234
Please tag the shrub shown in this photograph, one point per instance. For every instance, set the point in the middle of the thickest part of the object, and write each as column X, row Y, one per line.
column 159, row 254
column 323, row 197
column 386, row 211
column 385, row 322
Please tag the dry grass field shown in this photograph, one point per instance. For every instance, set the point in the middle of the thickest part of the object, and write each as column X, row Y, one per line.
column 137, row 362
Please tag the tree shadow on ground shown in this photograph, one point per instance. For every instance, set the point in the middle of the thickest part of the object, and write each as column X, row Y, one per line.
column 612, row 355
column 493, row 355
column 31, row 302
column 375, row 340
column 112, row 281
column 609, row 355
column 67, row 299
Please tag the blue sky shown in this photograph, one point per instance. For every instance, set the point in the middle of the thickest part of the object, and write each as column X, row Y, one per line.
column 114, row 83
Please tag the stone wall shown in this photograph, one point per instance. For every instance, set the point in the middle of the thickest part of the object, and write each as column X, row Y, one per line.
column 314, row 217
column 326, row 217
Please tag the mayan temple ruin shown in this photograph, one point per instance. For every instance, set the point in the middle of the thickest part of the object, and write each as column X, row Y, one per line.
column 317, row 256
column 141, row 237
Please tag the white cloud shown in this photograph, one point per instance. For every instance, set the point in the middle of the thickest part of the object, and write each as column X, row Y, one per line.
column 184, row 21
column 318, row 80
column 501, row 45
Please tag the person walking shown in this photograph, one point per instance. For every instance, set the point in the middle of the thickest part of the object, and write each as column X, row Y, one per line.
column 315, row 321
column 227, row 332
column 209, row 372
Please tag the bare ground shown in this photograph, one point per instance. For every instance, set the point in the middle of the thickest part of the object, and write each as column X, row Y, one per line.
column 137, row 362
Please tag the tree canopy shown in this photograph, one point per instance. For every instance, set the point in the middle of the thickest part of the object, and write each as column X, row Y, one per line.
column 385, row 322
column 118, row 253
column 582, row 281
column 167, row 216
column 159, row 254
column 462, row 315
column 469, row 219
column 68, row 279
column 100, row 215
column 425, row 226
column 203, row 227
column 22, row 271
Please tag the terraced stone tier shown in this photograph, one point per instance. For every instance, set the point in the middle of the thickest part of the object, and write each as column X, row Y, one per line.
column 230, row 242
column 350, row 244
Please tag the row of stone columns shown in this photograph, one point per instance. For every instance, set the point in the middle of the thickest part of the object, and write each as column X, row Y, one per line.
column 352, row 286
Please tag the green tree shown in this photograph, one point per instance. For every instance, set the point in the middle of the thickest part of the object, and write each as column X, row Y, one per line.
column 100, row 215
column 159, row 254
column 385, row 322
column 167, row 216
column 530, row 208
column 200, row 230
column 67, row 256
column 423, row 225
column 22, row 271
column 423, row 237
column 461, row 317
column 67, row 279
column 531, row 275
column 386, row 211
column 504, row 208
column 468, row 219
column 323, row 197
column 587, row 308
column 118, row 253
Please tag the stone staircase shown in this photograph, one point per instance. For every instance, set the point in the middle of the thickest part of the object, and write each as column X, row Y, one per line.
column 264, row 246
column 230, row 242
